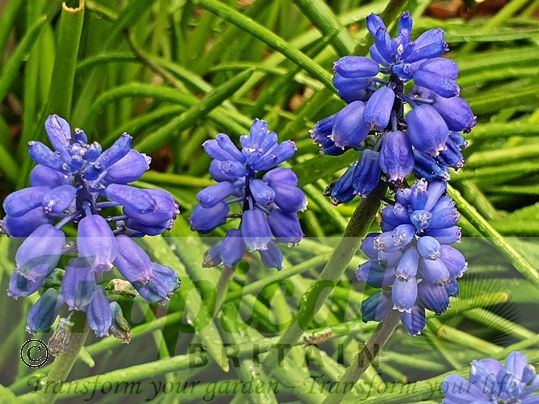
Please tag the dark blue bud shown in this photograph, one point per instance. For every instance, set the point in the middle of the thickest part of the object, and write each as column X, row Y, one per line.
column 349, row 129
column 128, row 169
column 414, row 321
column 144, row 229
column 227, row 170
column 456, row 113
column 444, row 218
column 215, row 151
column 272, row 257
column 444, row 202
column 276, row 156
column 281, row 175
column 451, row 157
column 163, row 283
column 398, row 238
column 42, row 176
column 99, row 314
column 405, row 24
column 383, row 44
column 429, row 247
column 457, row 139
column 262, row 192
column 378, row 109
column 375, row 308
column 454, row 261
column 255, row 230
column 232, row 248
column 442, row 67
column 351, row 90
column 433, row 297
column 434, row 271
column 20, row 286
column 166, row 209
column 212, row 257
column 289, row 198
column 92, row 152
column 22, row 201
column 393, row 216
column 405, row 71
column 257, row 134
column 420, row 219
column 353, row 67
column 96, row 243
column 429, row 45
column 404, row 294
column 321, row 134
column 442, row 86
column 367, row 173
column 422, row 92
column 375, row 55
column 119, row 149
column 435, row 191
column 132, row 261
column 60, row 200
column 427, row 130
column 342, row 190
column 80, row 136
column 205, row 220
column 23, row 226
column 428, row 168
column 228, row 146
column 390, row 259
column 39, row 254
column 41, row 154
column 78, row 285
column 132, row 198
column 285, row 226
column 396, row 156
column 374, row 23
column 452, row 287
column 59, row 134
column 367, row 246
column 450, row 235
column 42, row 314
column 372, row 273
column 408, row 265
column 216, row 193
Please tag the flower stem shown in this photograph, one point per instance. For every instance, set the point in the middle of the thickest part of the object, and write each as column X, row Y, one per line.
column 222, row 287
column 365, row 357
column 315, row 297
column 63, row 363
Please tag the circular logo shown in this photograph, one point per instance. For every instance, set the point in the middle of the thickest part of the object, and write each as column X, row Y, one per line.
column 34, row 353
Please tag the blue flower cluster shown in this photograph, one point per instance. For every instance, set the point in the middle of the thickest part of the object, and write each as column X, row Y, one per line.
column 396, row 142
column 267, row 197
column 491, row 382
column 76, row 183
column 412, row 261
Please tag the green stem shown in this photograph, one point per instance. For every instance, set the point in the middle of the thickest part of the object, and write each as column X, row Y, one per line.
column 65, row 63
column 222, row 287
column 316, row 295
column 63, row 363
column 365, row 357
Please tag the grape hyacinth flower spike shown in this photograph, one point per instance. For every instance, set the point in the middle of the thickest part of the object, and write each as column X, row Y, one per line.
column 75, row 185
column 426, row 140
column 412, row 261
column 491, row 382
column 252, row 188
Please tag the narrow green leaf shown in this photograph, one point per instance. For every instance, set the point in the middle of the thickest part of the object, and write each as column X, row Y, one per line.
column 265, row 35
column 213, row 99
column 9, row 72
column 322, row 16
